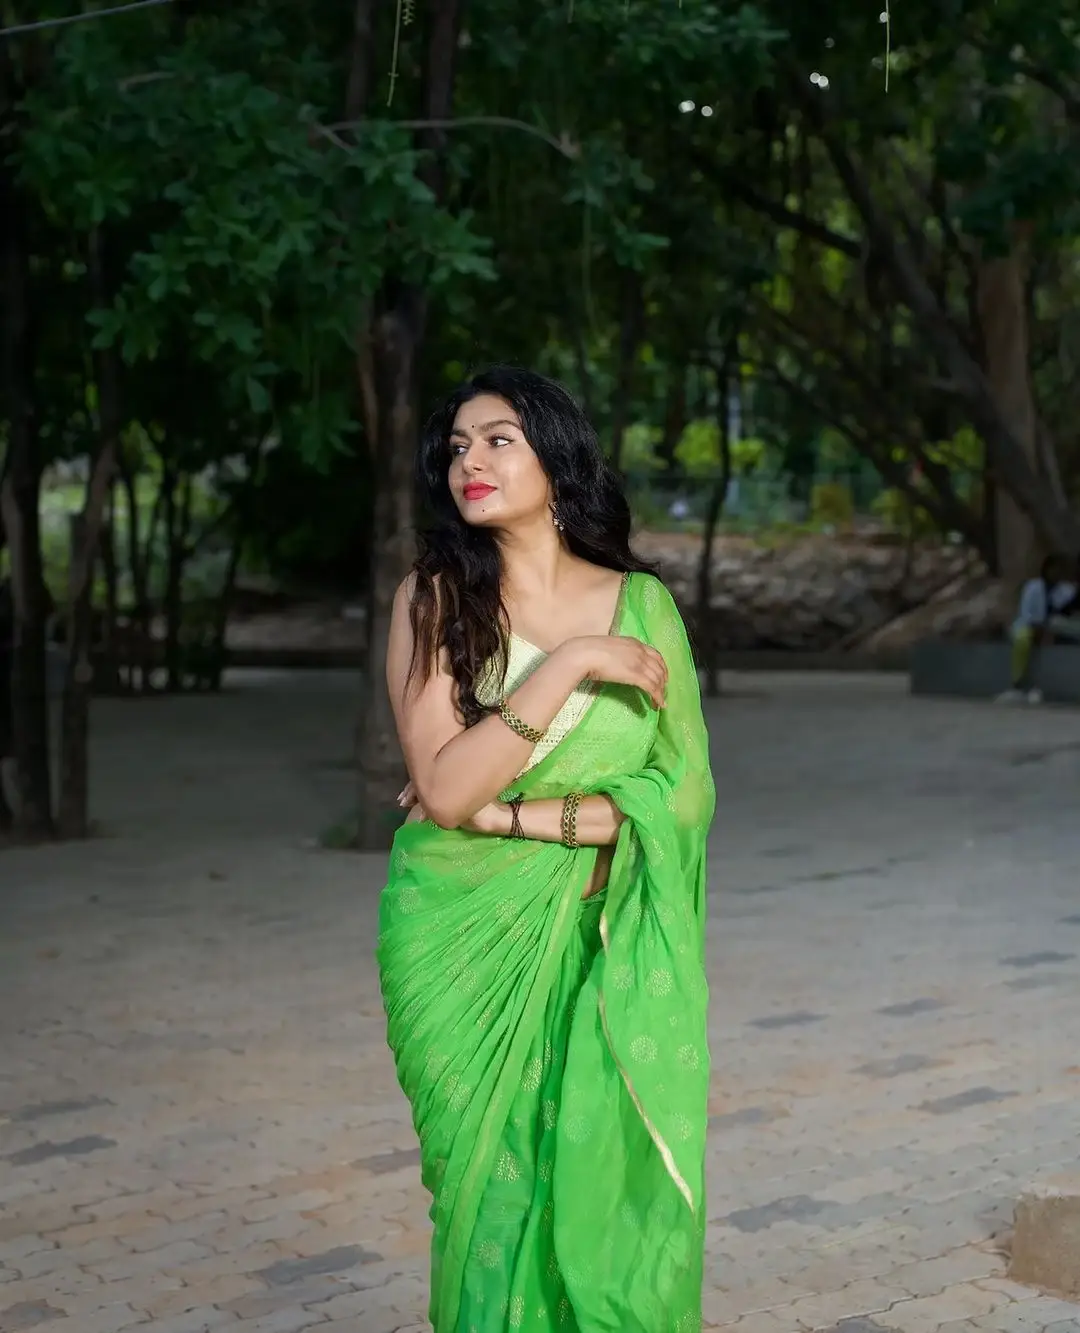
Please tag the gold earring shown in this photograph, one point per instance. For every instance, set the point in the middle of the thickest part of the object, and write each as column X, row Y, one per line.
column 555, row 516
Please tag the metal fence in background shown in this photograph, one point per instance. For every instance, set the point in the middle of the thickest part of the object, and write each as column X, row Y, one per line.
column 679, row 501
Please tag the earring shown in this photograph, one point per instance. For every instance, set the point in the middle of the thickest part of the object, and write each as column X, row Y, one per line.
column 555, row 516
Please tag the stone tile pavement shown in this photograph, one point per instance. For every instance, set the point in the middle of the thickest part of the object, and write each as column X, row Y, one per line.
column 199, row 1125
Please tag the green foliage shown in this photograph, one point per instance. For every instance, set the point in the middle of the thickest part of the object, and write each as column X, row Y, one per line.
column 244, row 238
column 832, row 504
column 310, row 524
column 639, row 449
column 698, row 451
column 897, row 511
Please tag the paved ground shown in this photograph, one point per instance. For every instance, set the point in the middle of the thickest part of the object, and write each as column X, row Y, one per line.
column 199, row 1127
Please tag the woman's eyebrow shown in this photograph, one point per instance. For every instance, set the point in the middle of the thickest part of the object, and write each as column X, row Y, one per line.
column 488, row 425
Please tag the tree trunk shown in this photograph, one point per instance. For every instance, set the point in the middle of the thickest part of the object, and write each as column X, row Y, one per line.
column 1004, row 325
column 706, row 638
column 19, row 510
column 29, row 686
column 7, row 629
column 176, row 532
column 217, row 647
column 134, row 644
column 73, row 819
column 581, row 362
column 74, row 810
column 674, row 418
column 630, row 334
column 111, row 575
column 358, row 85
column 1011, row 462
column 395, row 340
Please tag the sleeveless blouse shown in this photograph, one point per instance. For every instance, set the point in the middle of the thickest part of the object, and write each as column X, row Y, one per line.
column 523, row 658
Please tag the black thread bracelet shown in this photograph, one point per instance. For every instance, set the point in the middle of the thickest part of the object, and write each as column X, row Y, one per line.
column 516, row 831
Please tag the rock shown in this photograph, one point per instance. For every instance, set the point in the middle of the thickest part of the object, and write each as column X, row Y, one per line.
column 816, row 593
column 806, row 594
column 1046, row 1241
column 968, row 609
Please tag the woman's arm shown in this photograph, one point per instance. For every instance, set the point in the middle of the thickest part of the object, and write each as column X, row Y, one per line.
column 457, row 771
column 598, row 821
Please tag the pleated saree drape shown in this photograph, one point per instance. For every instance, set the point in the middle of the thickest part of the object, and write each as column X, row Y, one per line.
column 553, row 1050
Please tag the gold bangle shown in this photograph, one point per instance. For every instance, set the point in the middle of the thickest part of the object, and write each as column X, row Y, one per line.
column 531, row 734
column 569, row 818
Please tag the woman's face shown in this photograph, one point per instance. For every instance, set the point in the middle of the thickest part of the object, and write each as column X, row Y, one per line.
column 495, row 478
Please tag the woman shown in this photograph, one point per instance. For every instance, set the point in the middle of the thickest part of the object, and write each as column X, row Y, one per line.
column 541, row 942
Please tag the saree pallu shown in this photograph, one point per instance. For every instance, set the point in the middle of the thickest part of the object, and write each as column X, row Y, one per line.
column 554, row 1050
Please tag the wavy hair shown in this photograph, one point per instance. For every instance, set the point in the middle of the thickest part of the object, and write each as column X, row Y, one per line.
column 457, row 606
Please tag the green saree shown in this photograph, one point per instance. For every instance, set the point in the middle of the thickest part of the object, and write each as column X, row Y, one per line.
column 553, row 1049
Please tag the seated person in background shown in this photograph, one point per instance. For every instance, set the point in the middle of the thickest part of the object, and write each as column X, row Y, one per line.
column 1047, row 606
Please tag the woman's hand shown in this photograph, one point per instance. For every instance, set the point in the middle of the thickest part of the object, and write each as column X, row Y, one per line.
column 621, row 660
column 409, row 799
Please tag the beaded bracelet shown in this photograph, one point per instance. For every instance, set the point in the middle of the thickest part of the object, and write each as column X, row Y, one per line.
column 569, row 818
column 531, row 734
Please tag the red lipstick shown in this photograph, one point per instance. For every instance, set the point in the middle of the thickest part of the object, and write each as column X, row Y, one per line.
column 477, row 490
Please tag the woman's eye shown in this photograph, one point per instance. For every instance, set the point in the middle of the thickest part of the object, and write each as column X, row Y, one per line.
column 500, row 439
column 456, row 450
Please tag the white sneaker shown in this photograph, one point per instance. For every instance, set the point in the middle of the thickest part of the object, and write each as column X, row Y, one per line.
column 1012, row 697
column 1035, row 696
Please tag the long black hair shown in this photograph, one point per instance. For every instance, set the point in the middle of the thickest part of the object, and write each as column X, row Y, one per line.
column 457, row 604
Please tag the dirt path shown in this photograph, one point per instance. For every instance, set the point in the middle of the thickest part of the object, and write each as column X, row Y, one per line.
column 199, row 1125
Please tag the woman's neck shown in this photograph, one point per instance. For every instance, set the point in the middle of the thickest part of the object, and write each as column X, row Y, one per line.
column 534, row 559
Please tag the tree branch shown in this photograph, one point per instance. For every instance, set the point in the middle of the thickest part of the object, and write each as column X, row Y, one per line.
column 1046, row 78
column 358, row 89
column 736, row 185
column 563, row 145
column 942, row 504
column 874, row 405
column 875, row 392
column 1010, row 463
column 38, row 24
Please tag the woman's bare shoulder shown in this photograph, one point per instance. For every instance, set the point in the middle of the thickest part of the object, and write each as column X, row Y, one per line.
column 407, row 588
column 598, row 579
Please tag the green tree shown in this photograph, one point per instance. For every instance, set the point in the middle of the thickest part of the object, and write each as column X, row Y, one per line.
column 225, row 256
column 911, row 226
column 221, row 243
